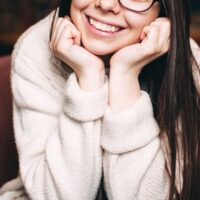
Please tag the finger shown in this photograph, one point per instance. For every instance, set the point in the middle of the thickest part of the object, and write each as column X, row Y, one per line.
column 161, row 19
column 60, row 28
column 67, row 38
column 164, row 24
column 57, row 22
column 143, row 33
column 67, row 21
column 166, row 29
column 57, row 27
column 165, row 32
column 77, row 38
column 64, row 48
column 54, row 29
column 151, row 33
column 167, row 44
column 151, row 40
column 68, row 18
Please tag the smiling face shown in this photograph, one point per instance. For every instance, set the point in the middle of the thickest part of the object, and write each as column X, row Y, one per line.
column 106, row 26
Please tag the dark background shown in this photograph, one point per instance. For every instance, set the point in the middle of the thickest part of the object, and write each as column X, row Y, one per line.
column 17, row 15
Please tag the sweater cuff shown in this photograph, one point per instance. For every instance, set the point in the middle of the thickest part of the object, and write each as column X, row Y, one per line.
column 84, row 106
column 131, row 129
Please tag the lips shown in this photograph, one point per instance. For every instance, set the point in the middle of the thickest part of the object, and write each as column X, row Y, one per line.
column 103, row 26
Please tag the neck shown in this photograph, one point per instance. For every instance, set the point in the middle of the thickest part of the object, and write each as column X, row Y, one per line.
column 106, row 60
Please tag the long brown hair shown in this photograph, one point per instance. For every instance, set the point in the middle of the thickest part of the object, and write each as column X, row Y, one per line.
column 169, row 81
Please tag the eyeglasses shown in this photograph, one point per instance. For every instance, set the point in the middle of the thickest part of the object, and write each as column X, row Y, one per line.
column 138, row 5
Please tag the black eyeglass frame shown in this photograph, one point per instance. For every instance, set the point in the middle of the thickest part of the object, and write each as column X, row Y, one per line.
column 141, row 11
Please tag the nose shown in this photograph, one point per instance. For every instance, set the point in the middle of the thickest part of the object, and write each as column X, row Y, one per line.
column 108, row 5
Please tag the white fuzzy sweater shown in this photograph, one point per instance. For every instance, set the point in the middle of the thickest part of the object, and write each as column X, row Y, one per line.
column 68, row 138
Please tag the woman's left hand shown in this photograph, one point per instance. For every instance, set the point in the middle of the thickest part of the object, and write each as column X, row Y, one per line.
column 155, row 41
column 127, row 63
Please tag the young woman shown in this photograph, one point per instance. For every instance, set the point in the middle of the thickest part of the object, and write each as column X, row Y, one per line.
column 108, row 90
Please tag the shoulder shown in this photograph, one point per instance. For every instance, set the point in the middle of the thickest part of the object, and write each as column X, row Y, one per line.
column 32, row 47
column 35, row 38
column 32, row 58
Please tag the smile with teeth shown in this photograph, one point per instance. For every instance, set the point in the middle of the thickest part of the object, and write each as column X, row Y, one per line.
column 103, row 27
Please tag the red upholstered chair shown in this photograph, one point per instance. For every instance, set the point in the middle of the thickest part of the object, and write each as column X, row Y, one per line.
column 8, row 153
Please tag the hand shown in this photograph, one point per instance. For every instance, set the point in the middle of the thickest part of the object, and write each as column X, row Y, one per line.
column 127, row 63
column 155, row 41
column 66, row 45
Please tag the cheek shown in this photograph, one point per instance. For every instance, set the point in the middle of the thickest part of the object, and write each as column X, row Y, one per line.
column 75, row 10
column 137, row 21
column 76, row 7
column 80, row 4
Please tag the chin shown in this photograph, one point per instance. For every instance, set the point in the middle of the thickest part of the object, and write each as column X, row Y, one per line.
column 100, row 50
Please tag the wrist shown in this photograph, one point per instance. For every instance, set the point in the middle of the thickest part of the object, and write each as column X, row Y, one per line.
column 120, row 70
column 124, row 90
column 92, row 81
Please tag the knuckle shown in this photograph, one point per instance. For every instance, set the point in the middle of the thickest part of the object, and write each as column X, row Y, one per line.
column 67, row 22
column 55, row 47
column 59, row 20
column 167, row 25
column 67, row 28
column 67, row 18
column 151, row 50
column 167, row 22
column 154, row 28
column 50, row 46
column 58, row 48
column 166, row 49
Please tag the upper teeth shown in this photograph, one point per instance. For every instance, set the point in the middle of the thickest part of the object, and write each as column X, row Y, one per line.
column 102, row 26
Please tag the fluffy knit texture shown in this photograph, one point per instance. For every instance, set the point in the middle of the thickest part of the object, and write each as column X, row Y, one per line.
column 68, row 138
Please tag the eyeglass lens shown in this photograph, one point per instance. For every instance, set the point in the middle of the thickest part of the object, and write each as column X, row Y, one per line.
column 137, row 5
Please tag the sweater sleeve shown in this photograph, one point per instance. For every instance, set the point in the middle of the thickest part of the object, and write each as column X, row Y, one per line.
column 134, row 165
column 59, row 146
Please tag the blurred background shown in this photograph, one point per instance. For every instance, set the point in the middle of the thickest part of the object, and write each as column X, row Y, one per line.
column 17, row 15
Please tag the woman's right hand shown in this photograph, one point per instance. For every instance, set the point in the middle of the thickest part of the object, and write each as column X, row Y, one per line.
column 66, row 45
